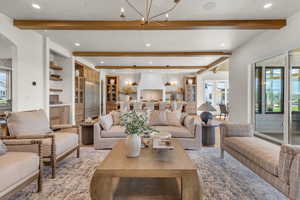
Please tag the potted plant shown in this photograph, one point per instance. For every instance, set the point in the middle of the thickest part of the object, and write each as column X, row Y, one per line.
column 135, row 126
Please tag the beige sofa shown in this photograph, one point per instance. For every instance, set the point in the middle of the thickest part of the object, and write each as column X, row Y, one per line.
column 278, row 165
column 58, row 141
column 19, row 169
column 190, row 138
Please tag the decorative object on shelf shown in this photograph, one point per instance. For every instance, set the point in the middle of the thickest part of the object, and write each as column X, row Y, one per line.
column 206, row 115
column 112, row 81
column 145, row 15
column 190, row 81
column 135, row 125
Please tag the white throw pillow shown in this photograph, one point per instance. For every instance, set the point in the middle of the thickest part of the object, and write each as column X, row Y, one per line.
column 3, row 148
column 189, row 123
column 106, row 122
column 173, row 118
column 158, row 118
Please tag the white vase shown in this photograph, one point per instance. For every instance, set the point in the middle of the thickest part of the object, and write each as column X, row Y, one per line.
column 133, row 146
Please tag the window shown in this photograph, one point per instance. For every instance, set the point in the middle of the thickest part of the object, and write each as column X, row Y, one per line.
column 295, row 98
column 5, row 87
column 274, row 89
column 258, row 89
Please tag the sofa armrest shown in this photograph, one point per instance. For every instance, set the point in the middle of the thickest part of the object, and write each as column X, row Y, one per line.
column 97, row 132
column 236, row 130
column 198, row 132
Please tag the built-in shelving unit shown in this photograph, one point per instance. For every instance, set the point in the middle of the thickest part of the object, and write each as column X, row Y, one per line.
column 112, row 92
column 190, row 88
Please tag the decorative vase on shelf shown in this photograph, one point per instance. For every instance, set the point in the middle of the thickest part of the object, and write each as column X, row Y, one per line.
column 133, row 145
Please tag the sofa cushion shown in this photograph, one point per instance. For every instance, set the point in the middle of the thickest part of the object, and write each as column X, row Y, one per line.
column 15, row 167
column 106, row 122
column 176, row 131
column 158, row 118
column 173, row 118
column 261, row 152
column 28, row 122
column 3, row 148
column 114, row 132
column 64, row 142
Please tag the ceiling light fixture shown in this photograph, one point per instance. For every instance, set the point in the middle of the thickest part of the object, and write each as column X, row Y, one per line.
column 148, row 45
column 102, row 62
column 76, row 44
column 268, row 5
column 223, row 45
column 146, row 14
column 36, row 6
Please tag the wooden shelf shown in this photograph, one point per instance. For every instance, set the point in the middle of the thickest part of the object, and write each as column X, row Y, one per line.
column 55, row 79
column 55, row 67
column 56, row 90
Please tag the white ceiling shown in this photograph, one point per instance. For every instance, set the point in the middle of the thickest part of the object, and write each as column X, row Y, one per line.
column 155, row 61
column 110, row 9
column 185, row 40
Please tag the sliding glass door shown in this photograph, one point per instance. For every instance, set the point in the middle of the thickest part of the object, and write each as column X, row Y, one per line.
column 269, row 98
column 294, row 129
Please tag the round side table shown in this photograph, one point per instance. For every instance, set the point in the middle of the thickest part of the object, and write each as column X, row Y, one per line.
column 208, row 133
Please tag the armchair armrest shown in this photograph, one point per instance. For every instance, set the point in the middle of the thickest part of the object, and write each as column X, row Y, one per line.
column 28, row 136
column 63, row 126
column 18, row 145
column 289, row 168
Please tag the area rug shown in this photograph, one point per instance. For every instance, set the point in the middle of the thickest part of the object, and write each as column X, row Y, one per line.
column 220, row 179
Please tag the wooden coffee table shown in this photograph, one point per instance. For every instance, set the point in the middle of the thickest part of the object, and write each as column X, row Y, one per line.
column 172, row 164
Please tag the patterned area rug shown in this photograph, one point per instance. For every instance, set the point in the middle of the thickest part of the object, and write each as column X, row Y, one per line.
column 220, row 179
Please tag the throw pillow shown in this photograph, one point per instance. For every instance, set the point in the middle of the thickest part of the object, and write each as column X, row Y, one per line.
column 189, row 123
column 106, row 122
column 173, row 118
column 116, row 117
column 28, row 122
column 3, row 148
column 158, row 118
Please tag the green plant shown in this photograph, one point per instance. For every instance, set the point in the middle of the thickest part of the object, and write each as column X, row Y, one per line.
column 136, row 123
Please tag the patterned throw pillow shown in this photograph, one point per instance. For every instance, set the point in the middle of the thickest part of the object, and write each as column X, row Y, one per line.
column 106, row 122
column 174, row 118
column 158, row 118
column 116, row 117
column 3, row 148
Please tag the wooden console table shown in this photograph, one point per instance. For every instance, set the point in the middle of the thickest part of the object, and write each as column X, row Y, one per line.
column 173, row 164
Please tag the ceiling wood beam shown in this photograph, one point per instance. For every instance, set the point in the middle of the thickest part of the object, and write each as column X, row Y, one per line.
column 151, row 67
column 150, row 54
column 157, row 25
column 213, row 65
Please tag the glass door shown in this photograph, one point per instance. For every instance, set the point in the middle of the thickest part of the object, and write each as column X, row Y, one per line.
column 294, row 129
column 269, row 98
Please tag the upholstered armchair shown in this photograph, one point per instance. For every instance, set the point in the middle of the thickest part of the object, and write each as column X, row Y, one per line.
column 19, row 168
column 58, row 141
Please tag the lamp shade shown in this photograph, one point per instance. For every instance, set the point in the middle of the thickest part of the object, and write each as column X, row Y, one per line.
column 206, row 107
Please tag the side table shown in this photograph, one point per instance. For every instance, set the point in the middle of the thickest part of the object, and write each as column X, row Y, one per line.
column 87, row 133
column 208, row 133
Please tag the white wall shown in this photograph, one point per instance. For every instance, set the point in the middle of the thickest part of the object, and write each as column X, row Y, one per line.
column 267, row 44
column 27, row 68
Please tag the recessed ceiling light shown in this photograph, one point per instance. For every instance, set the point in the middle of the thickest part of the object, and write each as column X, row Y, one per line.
column 77, row 44
column 36, row 6
column 151, row 71
column 150, row 62
column 148, row 45
column 223, row 45
column 209, row 5
column 268, row 5
column 102, row 62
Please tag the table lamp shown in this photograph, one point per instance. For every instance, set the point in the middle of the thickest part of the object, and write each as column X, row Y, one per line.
column 206, row 115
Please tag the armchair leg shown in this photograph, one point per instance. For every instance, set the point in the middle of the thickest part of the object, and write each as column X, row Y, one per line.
column 78, row 152
column 53, row 165
column 222, row 154
column 40, row 183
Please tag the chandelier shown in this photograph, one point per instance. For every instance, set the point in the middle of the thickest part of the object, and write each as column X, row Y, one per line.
column 145, row 15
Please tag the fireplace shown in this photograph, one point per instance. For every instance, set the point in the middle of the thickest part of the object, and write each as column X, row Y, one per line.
column 152, row 95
